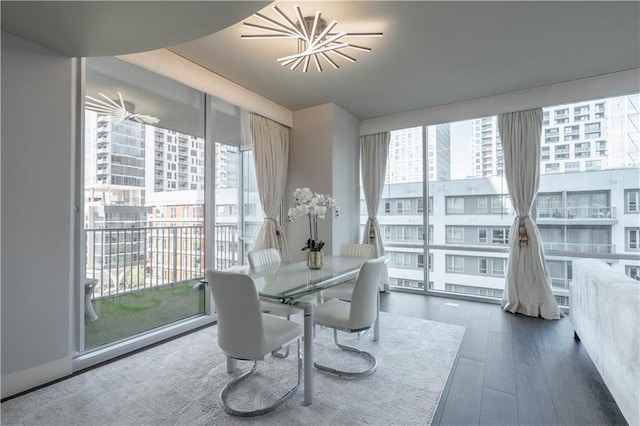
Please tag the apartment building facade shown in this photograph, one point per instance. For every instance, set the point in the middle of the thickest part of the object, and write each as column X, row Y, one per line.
column 593, row 135
column 468, row 223
column 587, row 205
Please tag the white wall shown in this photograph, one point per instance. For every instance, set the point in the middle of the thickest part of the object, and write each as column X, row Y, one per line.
column 323, row 156
column 346, row 177
column 603, row 86
column 37, row 136
column 310, row 154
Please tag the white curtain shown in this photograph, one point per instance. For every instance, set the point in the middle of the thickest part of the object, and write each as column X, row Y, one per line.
column 374, row 150
column 527, row 286
column 270, row 142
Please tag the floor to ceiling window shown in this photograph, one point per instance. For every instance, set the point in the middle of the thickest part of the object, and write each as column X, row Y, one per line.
column 587, row 204
column 238, row 213
column 144, row 188
column 169, row 189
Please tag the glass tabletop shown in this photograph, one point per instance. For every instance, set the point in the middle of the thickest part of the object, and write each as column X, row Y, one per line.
column 288, row 282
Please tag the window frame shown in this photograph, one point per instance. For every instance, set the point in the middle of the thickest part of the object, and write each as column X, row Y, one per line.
column 633, row 239
column 632, row 198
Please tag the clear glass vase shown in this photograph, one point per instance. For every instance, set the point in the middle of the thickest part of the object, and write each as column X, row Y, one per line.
column 315, row 259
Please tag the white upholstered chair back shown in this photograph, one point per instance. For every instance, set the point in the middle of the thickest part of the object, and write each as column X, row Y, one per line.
column 240, row 328
column 258, row 258
column 356, row 250
column 364, row 301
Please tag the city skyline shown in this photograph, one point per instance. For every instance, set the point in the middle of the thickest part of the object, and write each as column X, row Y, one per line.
column 464, row 160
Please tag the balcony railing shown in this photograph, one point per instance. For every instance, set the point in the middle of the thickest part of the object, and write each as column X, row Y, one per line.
column 580, row 247
column 124, row 260
column 576, row 213
column 559, row 283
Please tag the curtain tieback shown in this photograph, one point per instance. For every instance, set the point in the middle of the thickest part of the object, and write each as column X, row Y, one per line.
column 372, row 230
column 523, row 238
column 275, row 222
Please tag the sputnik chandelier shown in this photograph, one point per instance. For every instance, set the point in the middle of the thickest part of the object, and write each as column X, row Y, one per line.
column 117, row 110
column 315, row 41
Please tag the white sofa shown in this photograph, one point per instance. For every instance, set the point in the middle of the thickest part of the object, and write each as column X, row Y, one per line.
column 605, row 313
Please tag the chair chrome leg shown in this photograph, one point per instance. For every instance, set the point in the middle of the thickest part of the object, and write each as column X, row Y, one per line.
column 279, row 354
column 348, row 374
column 284, row 354
column 251, row 413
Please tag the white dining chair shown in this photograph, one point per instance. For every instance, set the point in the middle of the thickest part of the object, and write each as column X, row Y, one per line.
column 344, row 290
column 355, row 316
column 264, row 258
column 267, row 257
column 245, row 333
column 258, row 258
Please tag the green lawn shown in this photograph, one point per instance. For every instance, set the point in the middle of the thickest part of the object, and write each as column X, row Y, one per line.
column 125, row 315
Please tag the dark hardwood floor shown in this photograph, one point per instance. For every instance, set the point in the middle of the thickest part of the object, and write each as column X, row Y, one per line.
column 512, row 369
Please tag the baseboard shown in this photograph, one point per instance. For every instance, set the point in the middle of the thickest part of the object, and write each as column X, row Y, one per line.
column 30, row 378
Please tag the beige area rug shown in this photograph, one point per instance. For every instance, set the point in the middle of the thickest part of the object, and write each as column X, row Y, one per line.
column 178, row 383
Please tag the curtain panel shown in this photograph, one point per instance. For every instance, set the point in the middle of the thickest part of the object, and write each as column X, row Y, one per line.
column 374, row 150
column 270, row 142
column 527, row 285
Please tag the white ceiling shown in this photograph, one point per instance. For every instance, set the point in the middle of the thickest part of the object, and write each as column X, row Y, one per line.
column 108, row 28
column 432, row 53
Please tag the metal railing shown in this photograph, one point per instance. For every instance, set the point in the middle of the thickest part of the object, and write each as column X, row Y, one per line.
column 580, row 248
column 124, row 260
column 559, row 283
column 576, row 213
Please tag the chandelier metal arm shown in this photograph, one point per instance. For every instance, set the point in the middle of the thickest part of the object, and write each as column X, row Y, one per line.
column 288, row 61
column 317, row 62
column 362, row 35
column 303, row 27
column 285, row 32
column 305, row 53
column 326, row 42
column 356, row 47
column 296, row 63
column 305, row 67
column 345, row 56
column 286, row 18
column 325, row 56
column 265, row 36
column 292, row 30
column 329, row 27
column 314, row 28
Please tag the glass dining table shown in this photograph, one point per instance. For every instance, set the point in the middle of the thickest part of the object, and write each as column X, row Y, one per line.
column 289, row 283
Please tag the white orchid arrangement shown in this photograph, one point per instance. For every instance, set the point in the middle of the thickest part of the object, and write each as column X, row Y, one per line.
column 315, row 206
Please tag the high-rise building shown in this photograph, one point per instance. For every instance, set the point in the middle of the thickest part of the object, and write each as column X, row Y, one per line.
column 591, row 135
column 227, row 171
column 439, row 151
column 175, row 197
column 114, row 198
column 487, row 150
column 405, row 159
column 177, row 159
